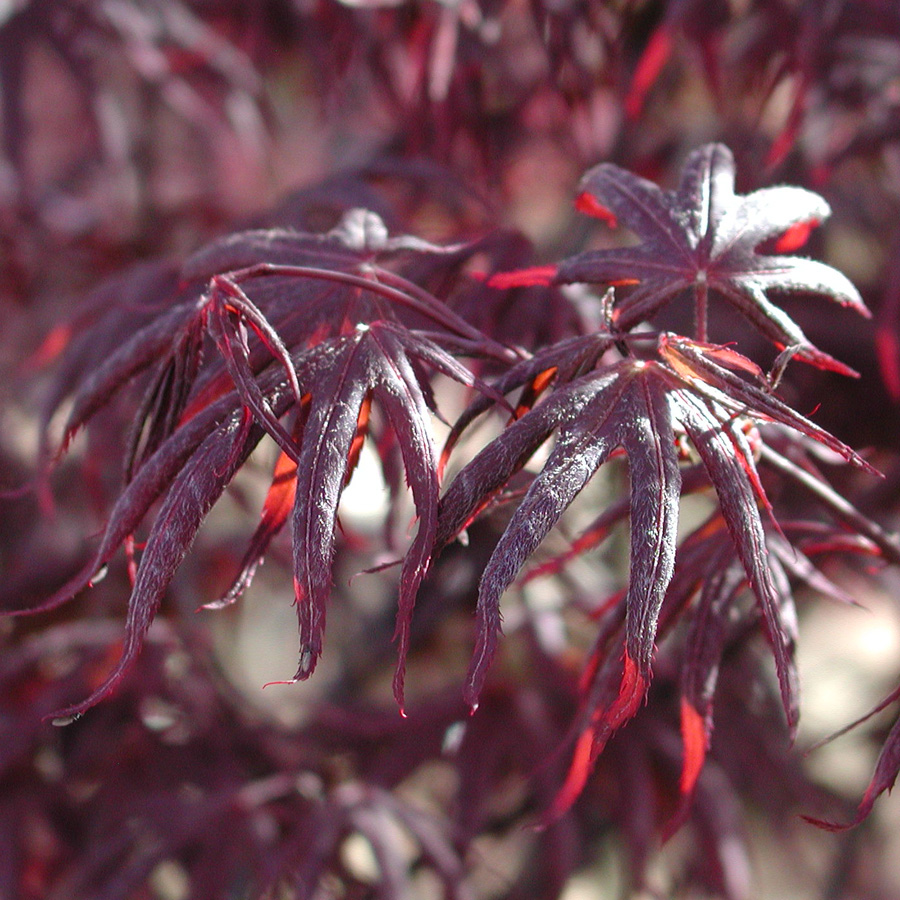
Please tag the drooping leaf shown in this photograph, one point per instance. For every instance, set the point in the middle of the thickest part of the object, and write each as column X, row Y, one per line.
column 376, row 361
column 886, row 770
column 703, row 561
column 137, row 498
column 731, row 468
column 708, row 394
column 312, row 338
column 276, row 510
column 289, row 288
column 192, row 494
column 624, row 405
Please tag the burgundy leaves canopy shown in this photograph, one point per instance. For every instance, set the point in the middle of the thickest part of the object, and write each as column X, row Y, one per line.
column 301, row 337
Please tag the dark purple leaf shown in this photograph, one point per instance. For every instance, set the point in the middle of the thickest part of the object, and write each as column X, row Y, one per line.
column 698, row 364
column 703, row 238
column 886, row 771
column 624, row 405
column 275, row 512
column 373, row 361
column 731, row 468
column 192, row 494
column 560, row 362
column 480, row 479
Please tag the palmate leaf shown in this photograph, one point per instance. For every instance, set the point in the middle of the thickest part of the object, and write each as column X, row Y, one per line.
column 703, row 238
column 260, row 295
column 642, row 406
column 297, row 347
column 618, row 406
column 626, row 412
column 192, row 467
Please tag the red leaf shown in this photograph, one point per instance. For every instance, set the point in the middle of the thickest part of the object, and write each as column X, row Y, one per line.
column 276, row 509
column 377, row 363
column 622, row 405
column 887, row 350
column 695, row 740
column 593, row 739
column 796, row 236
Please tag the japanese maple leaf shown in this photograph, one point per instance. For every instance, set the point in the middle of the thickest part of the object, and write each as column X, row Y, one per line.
column 642, row 406
column 309, row 331
column 260, row 294
column 703, row 238
column 594, row 414
column 191, row 468
column 703, row 393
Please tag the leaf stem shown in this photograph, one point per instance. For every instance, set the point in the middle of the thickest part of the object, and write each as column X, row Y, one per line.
column 390, row 286
column 701, row 292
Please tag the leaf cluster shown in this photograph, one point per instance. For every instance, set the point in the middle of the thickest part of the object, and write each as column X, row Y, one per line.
column 594, row 575
column 322, row 341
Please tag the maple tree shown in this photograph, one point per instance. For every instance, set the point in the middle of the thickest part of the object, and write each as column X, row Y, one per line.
column 642, row 383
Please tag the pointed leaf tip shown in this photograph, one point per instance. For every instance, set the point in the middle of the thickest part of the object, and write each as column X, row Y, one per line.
column 632, row 689
column 576, row 778
column 592, row 740
column 399, row 686
column 886, row 770
column 63, row 721
column 695, row 742
column 307, row 664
